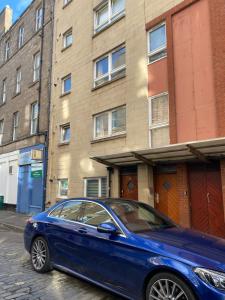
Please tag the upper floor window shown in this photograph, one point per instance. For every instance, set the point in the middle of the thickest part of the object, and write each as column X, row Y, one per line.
column 3, row 95
column 18, row 80
column 108, row 12
column 157, row 43
column 15, row 125
column 67, row 38
column 63, row 187
column 110, row 66
column 95, row 187
column 7, row 50
column 65, row 133
column 39, row 18
column 21, row 36
column 159, row 121
column 34, row 118
column 66, row 84
column 110, row 123
column 36, row 67
column 1, row 131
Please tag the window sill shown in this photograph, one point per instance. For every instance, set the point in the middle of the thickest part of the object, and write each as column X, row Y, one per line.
column 108, row 25
column 67, row 47
column 109, row 138
column 108, row 82
column 33, row 83
column 2, row 104
column 63, row 144
column 16, row 95
column 65, row 94
column 152, row 62
column 64, row 6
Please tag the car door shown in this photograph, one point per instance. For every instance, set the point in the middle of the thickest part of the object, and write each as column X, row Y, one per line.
column 63, row 235
column 106, row 256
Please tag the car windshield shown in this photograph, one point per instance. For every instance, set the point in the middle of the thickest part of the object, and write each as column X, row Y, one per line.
column 139, row 217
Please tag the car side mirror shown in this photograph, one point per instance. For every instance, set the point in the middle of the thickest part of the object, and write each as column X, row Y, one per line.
column 109, row 228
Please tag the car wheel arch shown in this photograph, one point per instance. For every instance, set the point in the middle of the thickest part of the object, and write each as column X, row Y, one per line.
column 165, row 269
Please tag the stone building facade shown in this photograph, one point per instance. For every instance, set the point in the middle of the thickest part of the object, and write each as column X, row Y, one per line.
column 137, row 105
column 25, row 78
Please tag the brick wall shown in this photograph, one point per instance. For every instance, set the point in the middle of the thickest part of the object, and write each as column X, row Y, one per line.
column 217, row 14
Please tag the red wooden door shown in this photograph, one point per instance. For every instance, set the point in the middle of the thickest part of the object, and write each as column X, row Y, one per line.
column 215, row 203
column 166, row 197
column 129, row 186
column 207, row 212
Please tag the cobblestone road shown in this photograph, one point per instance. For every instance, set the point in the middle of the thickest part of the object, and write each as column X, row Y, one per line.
column 18, row 281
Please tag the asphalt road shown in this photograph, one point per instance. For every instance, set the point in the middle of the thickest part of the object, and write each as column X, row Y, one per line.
column 18, row 280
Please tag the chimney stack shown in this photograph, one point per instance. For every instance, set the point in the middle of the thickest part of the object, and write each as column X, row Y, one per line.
column 6, row 19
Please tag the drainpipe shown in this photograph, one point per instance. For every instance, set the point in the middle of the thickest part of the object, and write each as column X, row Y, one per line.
column 41, row 65
column 49, row 103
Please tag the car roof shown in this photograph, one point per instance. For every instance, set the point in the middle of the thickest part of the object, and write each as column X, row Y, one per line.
column 106, row 200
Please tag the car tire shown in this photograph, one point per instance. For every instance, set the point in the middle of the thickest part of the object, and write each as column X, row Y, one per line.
column 170, row 283
column 40, row 257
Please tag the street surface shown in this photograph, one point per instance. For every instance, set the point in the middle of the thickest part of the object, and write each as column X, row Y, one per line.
column 18, row 280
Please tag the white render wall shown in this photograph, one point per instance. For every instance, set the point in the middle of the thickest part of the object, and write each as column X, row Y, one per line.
column 9, row 182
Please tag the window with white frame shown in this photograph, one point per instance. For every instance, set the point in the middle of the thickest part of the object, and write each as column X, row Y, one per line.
column 18, row 80
column 36, row 66
column 159, row 120
column 66, row 84
column 95, row 187
column 38, row 18
column 65, row 133
column 108, row 12
column 110, row 123
column 34, row 118
column 67, row 38
column 63, row 187
column 110, row 66
column 15, row 125
column 7, row 49
column 1, row 131
column 3, row 98
column 21, row 37
column 157, row 43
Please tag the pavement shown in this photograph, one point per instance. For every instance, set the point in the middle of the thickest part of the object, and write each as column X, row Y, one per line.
column 18, row 281
column 13, row 220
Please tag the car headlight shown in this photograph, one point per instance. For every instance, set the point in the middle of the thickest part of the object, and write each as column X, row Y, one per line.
column 216, row 279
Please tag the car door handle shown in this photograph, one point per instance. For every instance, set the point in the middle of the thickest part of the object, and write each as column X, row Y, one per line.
column 82, row 230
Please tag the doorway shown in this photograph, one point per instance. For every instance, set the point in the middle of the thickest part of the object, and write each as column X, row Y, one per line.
column 207, row 211
column 129, row 183
column 166, row 196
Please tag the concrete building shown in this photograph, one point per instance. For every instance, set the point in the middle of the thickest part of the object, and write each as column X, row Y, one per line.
column 25, row 73
column 138, row 105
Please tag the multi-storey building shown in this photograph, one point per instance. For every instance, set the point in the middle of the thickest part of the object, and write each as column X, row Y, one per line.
column 25, row 72
column 138, row 105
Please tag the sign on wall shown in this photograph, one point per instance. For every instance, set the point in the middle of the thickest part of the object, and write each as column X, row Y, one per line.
column 37, row 170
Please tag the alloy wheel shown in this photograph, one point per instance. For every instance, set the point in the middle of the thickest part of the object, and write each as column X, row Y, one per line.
column 165, row 289
column 39, row 254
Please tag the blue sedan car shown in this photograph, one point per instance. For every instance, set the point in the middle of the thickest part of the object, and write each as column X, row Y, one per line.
column 129, row 248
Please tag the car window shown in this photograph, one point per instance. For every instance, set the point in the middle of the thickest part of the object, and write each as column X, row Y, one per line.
column 56, row 212
column 71, row 211
column 138, row 217
column 95, row 214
